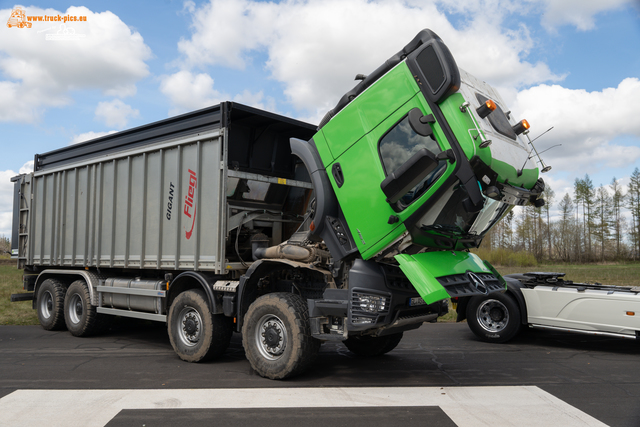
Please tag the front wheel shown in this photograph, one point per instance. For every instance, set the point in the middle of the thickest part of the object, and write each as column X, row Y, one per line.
column 368, row 346
column 494, row 317
column 195, row 334
column 276, row 336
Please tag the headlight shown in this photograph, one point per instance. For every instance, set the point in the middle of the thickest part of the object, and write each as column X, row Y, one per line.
column 372, row 303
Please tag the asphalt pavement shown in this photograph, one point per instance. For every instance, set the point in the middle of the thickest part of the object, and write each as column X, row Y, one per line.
column 130, row 375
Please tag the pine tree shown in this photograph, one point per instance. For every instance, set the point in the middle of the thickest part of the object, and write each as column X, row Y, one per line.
column 549, row 196
column 618, row 200
column 565, row 235
column 633, row 204
column 602, row 210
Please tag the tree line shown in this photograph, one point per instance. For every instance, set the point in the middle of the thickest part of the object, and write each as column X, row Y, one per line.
column 593, row 224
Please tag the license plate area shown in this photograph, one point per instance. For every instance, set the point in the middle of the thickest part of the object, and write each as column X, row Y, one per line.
column 415, row 301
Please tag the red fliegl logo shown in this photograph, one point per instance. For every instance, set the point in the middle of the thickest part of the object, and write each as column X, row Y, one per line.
column 189, row 203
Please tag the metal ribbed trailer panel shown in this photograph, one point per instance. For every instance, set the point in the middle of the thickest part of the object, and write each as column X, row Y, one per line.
column 201, row 121
column 152, row 207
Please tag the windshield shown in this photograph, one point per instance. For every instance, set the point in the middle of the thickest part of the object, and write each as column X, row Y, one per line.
column 450, row 218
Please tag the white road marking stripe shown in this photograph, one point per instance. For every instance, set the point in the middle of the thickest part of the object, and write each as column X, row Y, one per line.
column 467, row 406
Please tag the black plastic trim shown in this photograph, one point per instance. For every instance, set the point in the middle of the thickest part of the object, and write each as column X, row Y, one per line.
column 193, row 123
column 421, row 38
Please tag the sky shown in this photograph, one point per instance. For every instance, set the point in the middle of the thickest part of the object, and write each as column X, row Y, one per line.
column 573, row 65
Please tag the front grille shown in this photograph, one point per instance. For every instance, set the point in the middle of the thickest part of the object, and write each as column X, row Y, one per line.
column 458, row 285
column 396, row 279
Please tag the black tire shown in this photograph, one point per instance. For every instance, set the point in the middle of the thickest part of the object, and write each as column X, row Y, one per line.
column 276, row 336
column 494, row 317
column 368, row 346
column 80, row 316
column 50, row 305
column 195, row 334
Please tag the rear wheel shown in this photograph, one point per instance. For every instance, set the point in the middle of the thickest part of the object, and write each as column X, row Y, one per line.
column 80, row 316
column 50, row 304
column 195, row 334
column 368, row 346
column 494, row 317
column 276, row 336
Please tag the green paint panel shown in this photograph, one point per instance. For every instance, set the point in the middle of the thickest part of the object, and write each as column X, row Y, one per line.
column 369, row 109
column 506, row 171
column 423, row 269
column 374, row 137
column 460, row 124
column 360, row 197
column 323, row 149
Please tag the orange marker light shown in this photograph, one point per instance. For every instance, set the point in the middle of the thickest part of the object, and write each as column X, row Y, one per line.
column 631, row 313
column 485, row 109
column 521, row 126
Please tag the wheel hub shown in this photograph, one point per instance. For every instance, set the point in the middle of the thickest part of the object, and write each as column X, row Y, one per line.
column 496, row 314
column 79, row 308
column 46, row 305
column 190, row 326
column 492, row 316
column 271, row 337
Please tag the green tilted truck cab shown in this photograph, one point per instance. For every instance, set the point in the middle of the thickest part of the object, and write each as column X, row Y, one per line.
column 234, row 219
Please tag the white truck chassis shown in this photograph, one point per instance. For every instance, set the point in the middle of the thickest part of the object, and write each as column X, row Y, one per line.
column 547, row 301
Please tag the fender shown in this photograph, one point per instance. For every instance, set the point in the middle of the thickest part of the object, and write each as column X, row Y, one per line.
column 184, row 282
column 246, row 288
column 92, row 279
column 513, row 288
column 327, row 219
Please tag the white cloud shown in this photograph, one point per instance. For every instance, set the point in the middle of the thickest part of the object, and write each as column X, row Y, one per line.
column 579, row 13
column 27, row 167
column 188, row 91
column 115, row 113
column 40, row 73
column 86, row 137
column 585, row 123
column 315, row 48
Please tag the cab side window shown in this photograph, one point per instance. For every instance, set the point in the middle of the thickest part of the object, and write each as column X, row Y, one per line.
column 397, row 146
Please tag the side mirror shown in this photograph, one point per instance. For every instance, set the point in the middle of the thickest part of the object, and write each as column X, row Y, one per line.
column 407, row 176
column 420, row 123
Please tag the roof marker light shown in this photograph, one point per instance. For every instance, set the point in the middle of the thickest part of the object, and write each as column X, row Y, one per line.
column 485, row 109
column 521, row 126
